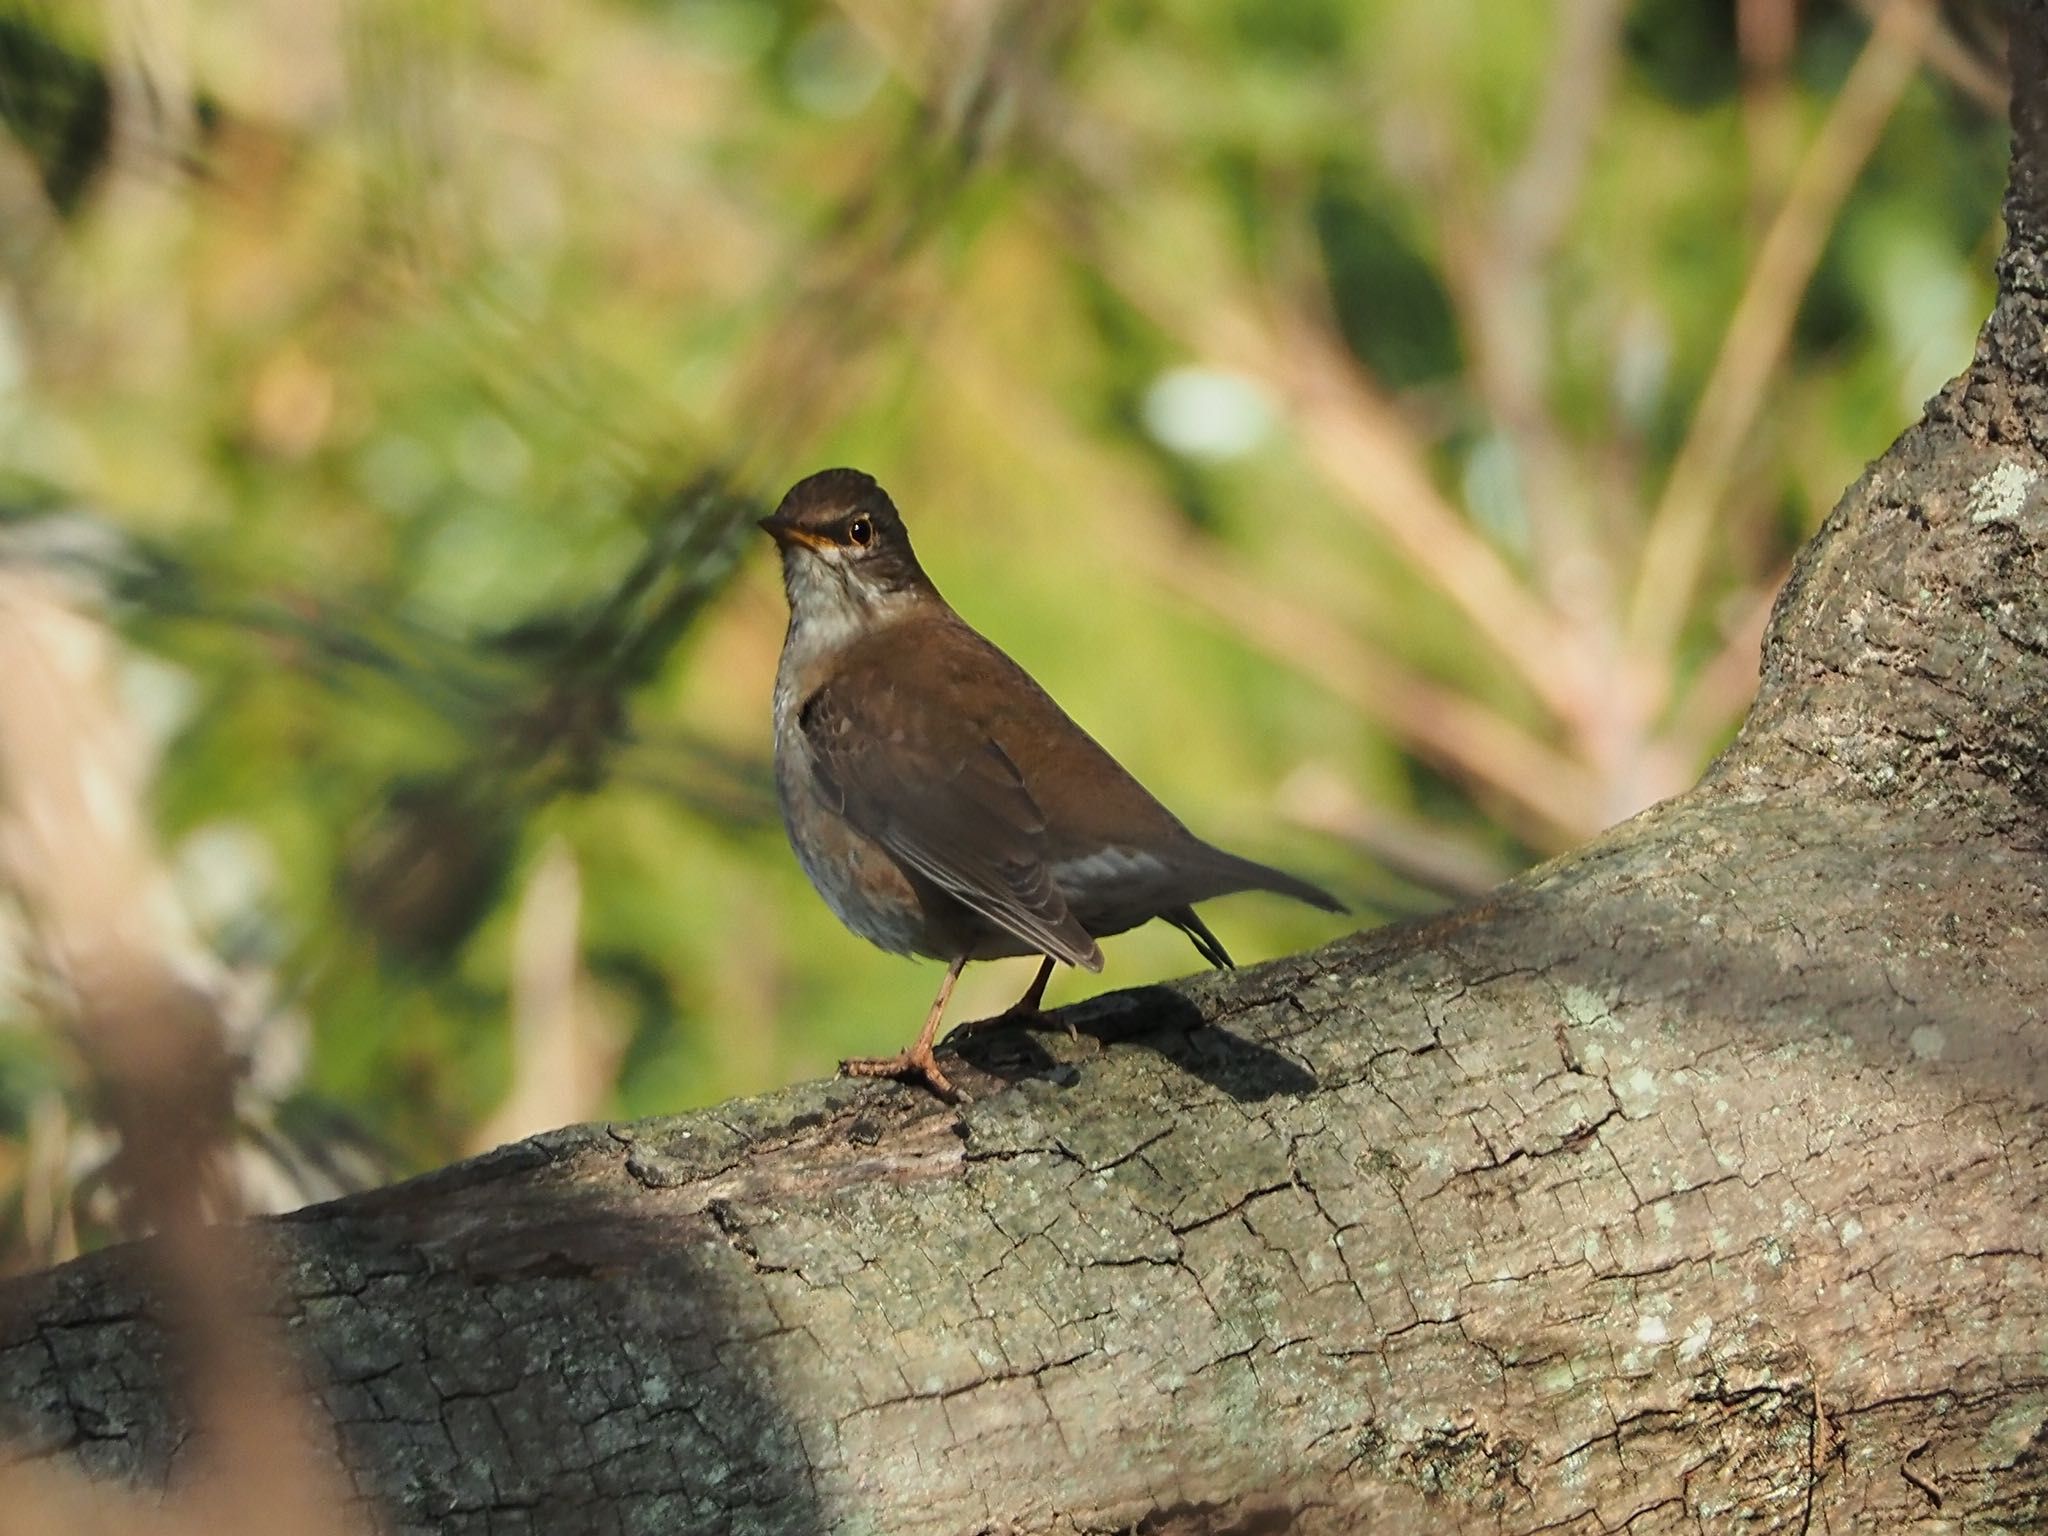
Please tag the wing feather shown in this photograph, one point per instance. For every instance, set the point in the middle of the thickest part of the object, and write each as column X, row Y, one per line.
column 946, row 801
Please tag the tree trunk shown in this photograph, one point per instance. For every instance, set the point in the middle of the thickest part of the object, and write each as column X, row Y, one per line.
column 1691, row 1182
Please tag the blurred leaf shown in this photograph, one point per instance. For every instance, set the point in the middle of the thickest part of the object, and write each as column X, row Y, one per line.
column 57, row 104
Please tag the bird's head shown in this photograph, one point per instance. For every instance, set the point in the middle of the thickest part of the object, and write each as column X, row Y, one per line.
column 846, row 555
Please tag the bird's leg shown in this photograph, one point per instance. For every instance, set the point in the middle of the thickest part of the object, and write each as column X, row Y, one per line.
column 1023, row 1011
column 1033, row 994
column 916, row 1064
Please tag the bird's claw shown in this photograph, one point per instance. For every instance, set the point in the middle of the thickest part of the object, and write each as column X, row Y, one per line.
column 1021, row 1016
column 912, row 1066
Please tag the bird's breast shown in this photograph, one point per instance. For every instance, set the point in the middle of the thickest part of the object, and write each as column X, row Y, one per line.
column 859, row 881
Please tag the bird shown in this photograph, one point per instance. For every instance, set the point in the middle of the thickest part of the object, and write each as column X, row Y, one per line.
column 940, row 801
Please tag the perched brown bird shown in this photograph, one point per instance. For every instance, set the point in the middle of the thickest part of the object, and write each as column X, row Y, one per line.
column 940, row 801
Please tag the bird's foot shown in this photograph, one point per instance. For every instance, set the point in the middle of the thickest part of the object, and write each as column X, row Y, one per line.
column 916, row 1065
column 1021, row 1015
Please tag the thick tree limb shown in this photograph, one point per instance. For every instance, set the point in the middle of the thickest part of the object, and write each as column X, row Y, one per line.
column 1692, row 1182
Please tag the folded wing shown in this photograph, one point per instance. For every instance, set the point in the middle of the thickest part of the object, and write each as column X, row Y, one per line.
column 947, row 802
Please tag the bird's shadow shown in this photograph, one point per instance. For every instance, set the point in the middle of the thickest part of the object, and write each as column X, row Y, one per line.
column 1157, row 1019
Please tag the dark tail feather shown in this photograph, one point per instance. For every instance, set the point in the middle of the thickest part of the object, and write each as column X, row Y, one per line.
column 1250, row 875
column 1206, row 943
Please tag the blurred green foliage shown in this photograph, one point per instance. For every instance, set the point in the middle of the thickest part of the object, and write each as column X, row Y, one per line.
column 404, row 374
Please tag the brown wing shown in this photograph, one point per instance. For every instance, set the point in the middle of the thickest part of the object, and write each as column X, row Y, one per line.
column 935, row 790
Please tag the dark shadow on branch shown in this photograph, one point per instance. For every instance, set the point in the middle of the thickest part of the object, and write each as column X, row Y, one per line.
column 1159, row 1019
column 570, row 1364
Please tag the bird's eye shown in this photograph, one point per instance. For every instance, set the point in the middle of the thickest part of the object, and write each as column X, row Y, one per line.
column 860, row 531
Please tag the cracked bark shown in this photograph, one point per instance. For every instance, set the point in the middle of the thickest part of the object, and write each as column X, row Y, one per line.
column 1691, row 1182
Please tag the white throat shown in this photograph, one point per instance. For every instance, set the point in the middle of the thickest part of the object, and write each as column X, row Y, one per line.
column 829, row 607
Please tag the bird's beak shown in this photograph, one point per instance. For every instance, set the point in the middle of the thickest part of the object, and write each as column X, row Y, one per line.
column 785, row 533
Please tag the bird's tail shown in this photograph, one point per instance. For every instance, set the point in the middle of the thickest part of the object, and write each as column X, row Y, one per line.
column 1231, row 873
column 1236, row 874
column 1207, row 945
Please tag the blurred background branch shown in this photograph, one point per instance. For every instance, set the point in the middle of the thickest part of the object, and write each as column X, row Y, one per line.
column 1385, row 425
column 146, row 1013
column 1675, row 545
